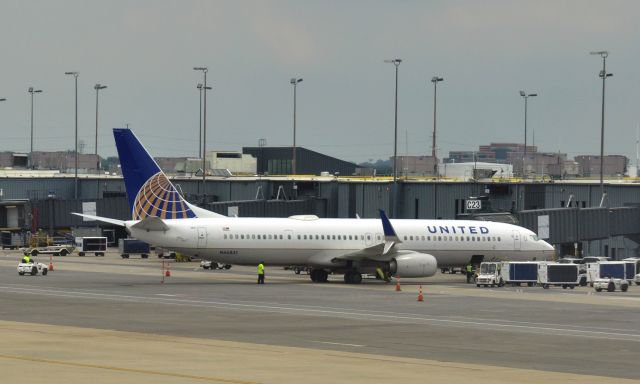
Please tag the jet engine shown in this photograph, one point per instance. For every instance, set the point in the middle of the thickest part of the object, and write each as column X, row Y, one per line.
column 413, row 264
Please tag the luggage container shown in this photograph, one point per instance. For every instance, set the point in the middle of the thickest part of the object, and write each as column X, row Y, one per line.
column 520, row 272
column 13, row 240
column 558, row 274
column 609, row 275
column 95, row 245
column 127, row 247
column 636, row 269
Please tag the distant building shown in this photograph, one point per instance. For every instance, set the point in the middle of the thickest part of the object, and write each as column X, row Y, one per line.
column 235, row 162
column 416, row 165
column 65, row 161
column 277, row 161
column 613, row 165
column 475, row 170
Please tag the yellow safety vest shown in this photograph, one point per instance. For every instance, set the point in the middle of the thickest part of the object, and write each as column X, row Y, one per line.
column 260, row 269
column 27, row 259
column 469, row 268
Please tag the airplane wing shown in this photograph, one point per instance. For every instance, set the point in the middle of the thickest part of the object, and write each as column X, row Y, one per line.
column 379, row 252
column 100, row 218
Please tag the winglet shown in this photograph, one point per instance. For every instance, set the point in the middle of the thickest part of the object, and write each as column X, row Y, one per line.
column 389, row 232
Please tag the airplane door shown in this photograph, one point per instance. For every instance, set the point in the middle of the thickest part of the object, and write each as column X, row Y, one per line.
column 202, row 237
column 516, row 240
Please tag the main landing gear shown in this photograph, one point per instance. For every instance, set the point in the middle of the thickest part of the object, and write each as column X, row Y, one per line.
column 319, row 275
column 352, row 277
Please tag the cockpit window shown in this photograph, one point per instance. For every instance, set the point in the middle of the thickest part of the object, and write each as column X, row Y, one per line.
column 534, row 237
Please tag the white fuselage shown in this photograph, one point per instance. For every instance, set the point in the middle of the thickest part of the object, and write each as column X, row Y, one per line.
column 321, row 242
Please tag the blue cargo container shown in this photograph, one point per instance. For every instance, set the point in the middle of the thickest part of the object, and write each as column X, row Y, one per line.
column 523, row 272
column 615, row 271
column 630, row 271
column 133, row 246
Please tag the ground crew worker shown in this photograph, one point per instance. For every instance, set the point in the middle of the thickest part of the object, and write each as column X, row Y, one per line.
column 26, row 259
column 469, row 273
column 261, row 273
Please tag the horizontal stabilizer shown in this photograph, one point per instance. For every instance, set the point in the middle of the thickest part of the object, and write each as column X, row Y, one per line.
column 151, row 223
column 102, row 219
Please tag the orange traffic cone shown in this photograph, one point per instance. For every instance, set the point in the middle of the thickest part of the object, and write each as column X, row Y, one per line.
column 398, row 289
column 50, row 263
column 420, row 295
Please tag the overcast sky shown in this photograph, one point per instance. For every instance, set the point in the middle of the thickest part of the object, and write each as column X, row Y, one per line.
column 486, row 51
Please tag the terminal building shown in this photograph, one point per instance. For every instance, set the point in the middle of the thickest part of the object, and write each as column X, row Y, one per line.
column 570, row 213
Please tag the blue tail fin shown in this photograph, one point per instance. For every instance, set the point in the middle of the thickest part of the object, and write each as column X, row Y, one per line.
column 149, row 191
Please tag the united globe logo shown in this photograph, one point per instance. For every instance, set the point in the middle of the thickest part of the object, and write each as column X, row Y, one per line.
column 158, row 198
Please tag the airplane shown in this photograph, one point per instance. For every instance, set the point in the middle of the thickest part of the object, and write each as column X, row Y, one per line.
column 353, row 247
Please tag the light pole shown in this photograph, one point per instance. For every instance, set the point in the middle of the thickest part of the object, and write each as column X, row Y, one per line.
column 204, row 126
column 200, row 86
column 603, row 75
column 396, row 63
column 294, row 82
column 75, row 75
column 31, row 91
column 97, row 87
column 435, row 81
column 526, row 98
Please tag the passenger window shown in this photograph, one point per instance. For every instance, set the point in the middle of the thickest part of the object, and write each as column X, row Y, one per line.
column 236, row 236
column 298, row 237
column 339, row 237
column 350, row 237
column 405, row 237
column 333, row 237
column 242, row 237
column 499, row 238
column 253, row 236
column 317, row 237
column 428, row 238
column 368, row 237
column 288, row 237
column 322, row 237
column 305, row 237
column 258, row 237
column 410, row 237
column 422, row 238
column 439, row 238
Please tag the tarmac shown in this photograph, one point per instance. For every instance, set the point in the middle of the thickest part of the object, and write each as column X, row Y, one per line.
column 107, row 319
